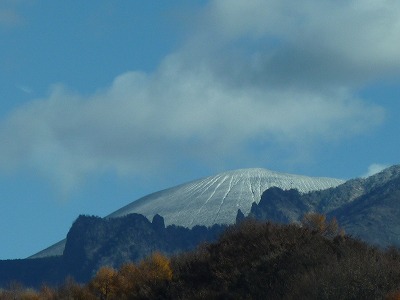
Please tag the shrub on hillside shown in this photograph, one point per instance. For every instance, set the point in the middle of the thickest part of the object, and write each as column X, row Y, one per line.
column 256, row 260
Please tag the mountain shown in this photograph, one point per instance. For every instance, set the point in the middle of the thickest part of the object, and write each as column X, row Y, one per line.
column 212, row 200
column 374, row 216
column 367, row 208
column 333, row 198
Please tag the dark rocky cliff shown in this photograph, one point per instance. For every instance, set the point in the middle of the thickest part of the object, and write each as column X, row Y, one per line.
column 93, row 242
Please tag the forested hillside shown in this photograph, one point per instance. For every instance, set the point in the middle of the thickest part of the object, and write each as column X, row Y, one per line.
column 253, row 260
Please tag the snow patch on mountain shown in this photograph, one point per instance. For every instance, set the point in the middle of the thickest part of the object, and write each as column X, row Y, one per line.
column 216, row 199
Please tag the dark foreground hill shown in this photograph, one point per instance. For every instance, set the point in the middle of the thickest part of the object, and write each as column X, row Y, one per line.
column 253, row 260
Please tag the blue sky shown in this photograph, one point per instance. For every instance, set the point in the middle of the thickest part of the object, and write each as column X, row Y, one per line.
column 103, row 102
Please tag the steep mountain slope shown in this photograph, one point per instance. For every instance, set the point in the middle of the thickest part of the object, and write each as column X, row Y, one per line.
column 211, row 200
column 374, row 216
column 330, row 199
column 367, row 208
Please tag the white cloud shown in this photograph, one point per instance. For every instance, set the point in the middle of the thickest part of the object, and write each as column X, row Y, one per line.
column 374, row 169
column 340, row 41
column 214, row 96
column 143, row 122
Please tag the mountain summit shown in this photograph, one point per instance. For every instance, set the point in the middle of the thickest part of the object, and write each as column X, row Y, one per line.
column 212, row 200
column 216, row 199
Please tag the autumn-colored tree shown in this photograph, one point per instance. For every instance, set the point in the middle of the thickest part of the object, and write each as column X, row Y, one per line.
column 156, row 268
column 128, row 280
column 318, row 223
column 145, row 280
column 104, row 284
column 155, row 273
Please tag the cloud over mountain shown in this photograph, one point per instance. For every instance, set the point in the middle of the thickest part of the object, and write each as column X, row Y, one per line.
column 316, row 38
column 251, row 71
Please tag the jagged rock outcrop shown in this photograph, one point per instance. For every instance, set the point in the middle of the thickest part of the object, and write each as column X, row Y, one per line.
column 280, row 206
column 93, row 242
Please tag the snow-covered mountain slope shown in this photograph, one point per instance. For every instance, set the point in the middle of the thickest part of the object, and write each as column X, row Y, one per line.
column 216, row 199
column 211, row 200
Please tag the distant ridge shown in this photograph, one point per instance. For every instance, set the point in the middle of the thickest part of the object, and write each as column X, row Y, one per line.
column 212, row 200
column 366, row 208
